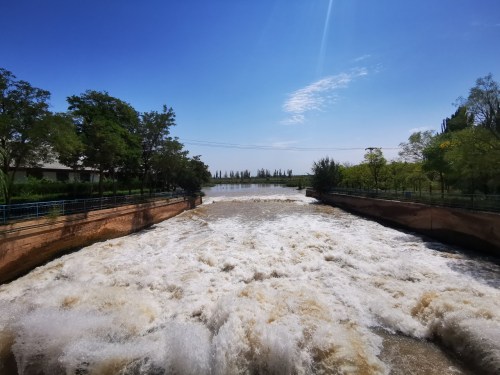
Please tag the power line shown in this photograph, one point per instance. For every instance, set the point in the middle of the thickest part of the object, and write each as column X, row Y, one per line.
column 273, row 148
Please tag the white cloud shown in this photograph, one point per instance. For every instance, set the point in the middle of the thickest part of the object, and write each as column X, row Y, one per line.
column 317, row 95
column 361, row 58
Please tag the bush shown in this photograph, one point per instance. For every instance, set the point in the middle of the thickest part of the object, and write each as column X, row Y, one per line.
column 327, row 174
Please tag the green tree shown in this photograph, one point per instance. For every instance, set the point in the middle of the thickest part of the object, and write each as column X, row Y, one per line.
column 3, row 177
column 398, row 174
column 412, row 151
column 483, row 103
column 168, row 164
column 356, row 176
column 327, row 174
column 65, row 141
column 154, row 128
column 24, row 127
column 474, row 156
column 108, row 130
column 375, row 160
column 459, row 120
column 435, row 160
column 195, row 173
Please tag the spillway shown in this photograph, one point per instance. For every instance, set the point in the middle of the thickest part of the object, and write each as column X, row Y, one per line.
column 257, row 280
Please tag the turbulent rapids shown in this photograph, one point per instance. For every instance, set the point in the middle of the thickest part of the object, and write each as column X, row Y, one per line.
column 256, row 281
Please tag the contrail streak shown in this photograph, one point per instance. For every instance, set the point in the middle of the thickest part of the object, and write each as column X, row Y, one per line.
column 322, row 50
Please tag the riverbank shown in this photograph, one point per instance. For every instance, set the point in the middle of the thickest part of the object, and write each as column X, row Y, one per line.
column 28, row 244
column 475, row 230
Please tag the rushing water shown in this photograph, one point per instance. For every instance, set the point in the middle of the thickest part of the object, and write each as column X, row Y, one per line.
column 256, row 281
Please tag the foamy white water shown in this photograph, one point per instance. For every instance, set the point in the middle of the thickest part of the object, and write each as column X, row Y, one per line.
column 256, row 280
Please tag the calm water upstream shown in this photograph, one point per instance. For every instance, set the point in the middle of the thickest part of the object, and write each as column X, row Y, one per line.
column 257, row 280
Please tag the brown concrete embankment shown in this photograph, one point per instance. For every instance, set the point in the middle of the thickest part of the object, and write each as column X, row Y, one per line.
column 473, row 230
column 28, row 244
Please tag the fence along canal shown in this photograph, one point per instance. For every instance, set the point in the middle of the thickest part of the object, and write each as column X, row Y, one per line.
column 476, row 202
column 28, row 211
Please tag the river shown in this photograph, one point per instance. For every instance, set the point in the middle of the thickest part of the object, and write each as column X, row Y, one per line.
column 257, row 280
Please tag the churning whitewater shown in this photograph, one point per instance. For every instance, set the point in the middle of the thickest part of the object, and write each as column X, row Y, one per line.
column 255, row 281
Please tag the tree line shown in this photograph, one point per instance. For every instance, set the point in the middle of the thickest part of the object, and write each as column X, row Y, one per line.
column 464, row 156
column 247, row 175
column 98, row 131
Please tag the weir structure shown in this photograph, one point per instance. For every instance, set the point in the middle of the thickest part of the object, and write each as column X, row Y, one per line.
column 470, row 229
column 28, row 244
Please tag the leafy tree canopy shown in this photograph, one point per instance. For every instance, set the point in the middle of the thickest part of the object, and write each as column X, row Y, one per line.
column 412, row 151
column 327, row 174
column 108, row 130
column 24, row 129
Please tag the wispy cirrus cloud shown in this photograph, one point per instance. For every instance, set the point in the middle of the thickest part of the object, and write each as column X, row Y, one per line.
column 361, row 58
column 317, row 95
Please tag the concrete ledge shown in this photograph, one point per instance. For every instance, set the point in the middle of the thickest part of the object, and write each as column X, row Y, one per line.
column 473, row 230
column 28, row 244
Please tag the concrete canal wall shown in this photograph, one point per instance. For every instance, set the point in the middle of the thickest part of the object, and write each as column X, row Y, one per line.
column 473, row 230
column 28, row 244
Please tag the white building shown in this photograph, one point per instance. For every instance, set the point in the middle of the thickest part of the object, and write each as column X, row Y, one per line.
column 57, row 172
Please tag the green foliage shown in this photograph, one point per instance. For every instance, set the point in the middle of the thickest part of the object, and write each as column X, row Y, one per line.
column 459, row 120
column 375, row 160
column 194, row 174
column 474, row 159
column 412, row 151
column 65, row 141
column 169, row 163
column 153, row 130
column 24, row 129
column 327, row 174
column 107, row 127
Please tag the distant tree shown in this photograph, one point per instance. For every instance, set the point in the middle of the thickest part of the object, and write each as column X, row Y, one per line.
column 483, row 103
column 327, row 174
column 25, row 129
column 108, row 129
column 375, row 160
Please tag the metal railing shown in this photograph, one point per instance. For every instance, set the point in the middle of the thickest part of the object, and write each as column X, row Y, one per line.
column 26, row 211
column 478, row 202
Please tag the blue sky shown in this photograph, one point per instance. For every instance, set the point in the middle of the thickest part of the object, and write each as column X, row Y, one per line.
column 263, row 83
